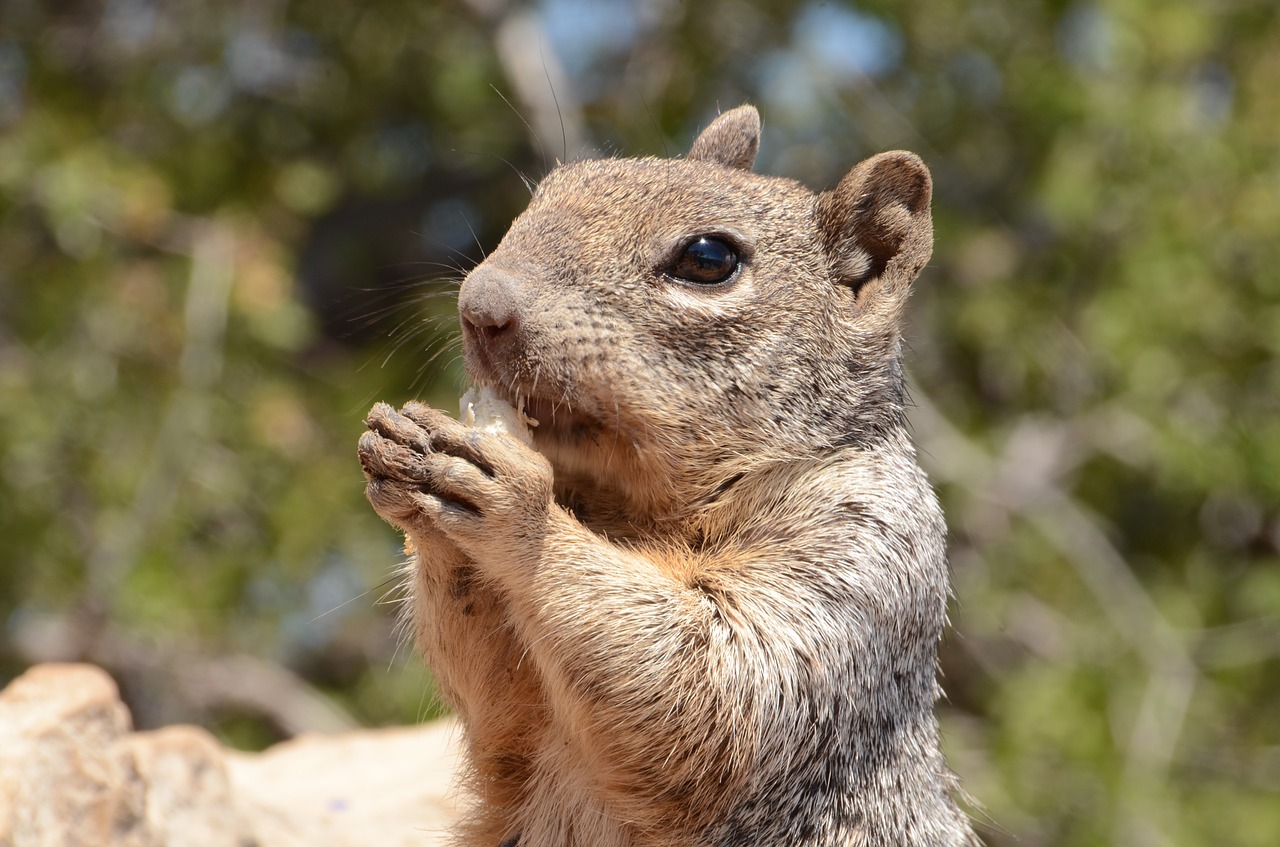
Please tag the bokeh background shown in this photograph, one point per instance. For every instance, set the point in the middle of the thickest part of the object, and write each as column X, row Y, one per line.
column 226, row 228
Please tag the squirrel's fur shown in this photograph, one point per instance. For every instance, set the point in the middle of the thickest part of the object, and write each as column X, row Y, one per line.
column 706, row 610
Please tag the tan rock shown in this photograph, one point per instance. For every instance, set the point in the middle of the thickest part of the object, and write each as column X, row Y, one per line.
column 60, row 778
column 385, row 787
column 180, row 775
column 72, row 773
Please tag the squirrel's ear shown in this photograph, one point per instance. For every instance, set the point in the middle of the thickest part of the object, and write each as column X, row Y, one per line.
column 875, row 224
column 732, row 140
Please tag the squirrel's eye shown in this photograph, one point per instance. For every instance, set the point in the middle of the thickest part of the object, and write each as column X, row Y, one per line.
column 704, row 261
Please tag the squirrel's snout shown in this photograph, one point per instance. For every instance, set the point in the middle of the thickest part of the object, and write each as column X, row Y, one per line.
column 487, row 305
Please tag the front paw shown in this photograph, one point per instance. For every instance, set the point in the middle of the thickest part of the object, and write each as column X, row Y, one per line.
column 392, row 456
column 482, row 490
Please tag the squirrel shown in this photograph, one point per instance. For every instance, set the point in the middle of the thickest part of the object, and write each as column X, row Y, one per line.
column 704, row 607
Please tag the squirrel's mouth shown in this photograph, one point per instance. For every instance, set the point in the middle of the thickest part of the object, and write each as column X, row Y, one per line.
column 557, row 420
column 560, row 416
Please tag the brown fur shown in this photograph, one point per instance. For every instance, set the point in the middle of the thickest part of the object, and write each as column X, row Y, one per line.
column 706, row 610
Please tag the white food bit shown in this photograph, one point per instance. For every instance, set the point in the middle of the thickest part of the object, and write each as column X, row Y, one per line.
column 483, row 409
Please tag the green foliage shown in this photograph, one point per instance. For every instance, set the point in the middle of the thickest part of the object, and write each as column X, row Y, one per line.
column 222, row 233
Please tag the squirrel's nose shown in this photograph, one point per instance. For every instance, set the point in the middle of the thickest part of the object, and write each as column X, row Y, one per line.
column 487, row 303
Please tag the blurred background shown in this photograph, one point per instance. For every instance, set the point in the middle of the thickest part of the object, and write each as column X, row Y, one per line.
column 226, row 228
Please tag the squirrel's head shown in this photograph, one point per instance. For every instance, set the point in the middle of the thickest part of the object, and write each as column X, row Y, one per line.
column 690, row 307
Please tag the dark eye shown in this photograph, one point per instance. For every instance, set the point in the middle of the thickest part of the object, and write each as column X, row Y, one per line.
column 705, row 261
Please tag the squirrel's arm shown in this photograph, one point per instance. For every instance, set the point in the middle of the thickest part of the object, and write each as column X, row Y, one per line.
column 465, row 632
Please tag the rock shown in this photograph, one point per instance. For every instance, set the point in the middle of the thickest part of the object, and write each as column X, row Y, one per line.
column 72, row 773
column 60, row 782
column 385, row 787
column 180, row 774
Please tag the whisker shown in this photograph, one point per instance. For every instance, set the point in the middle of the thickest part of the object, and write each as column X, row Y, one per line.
column 536, row 140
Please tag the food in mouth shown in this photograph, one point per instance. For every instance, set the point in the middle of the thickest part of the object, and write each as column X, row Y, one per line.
column 483, row 409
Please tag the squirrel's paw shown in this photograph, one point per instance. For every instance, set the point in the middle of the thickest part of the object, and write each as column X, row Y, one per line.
column 485, row 491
